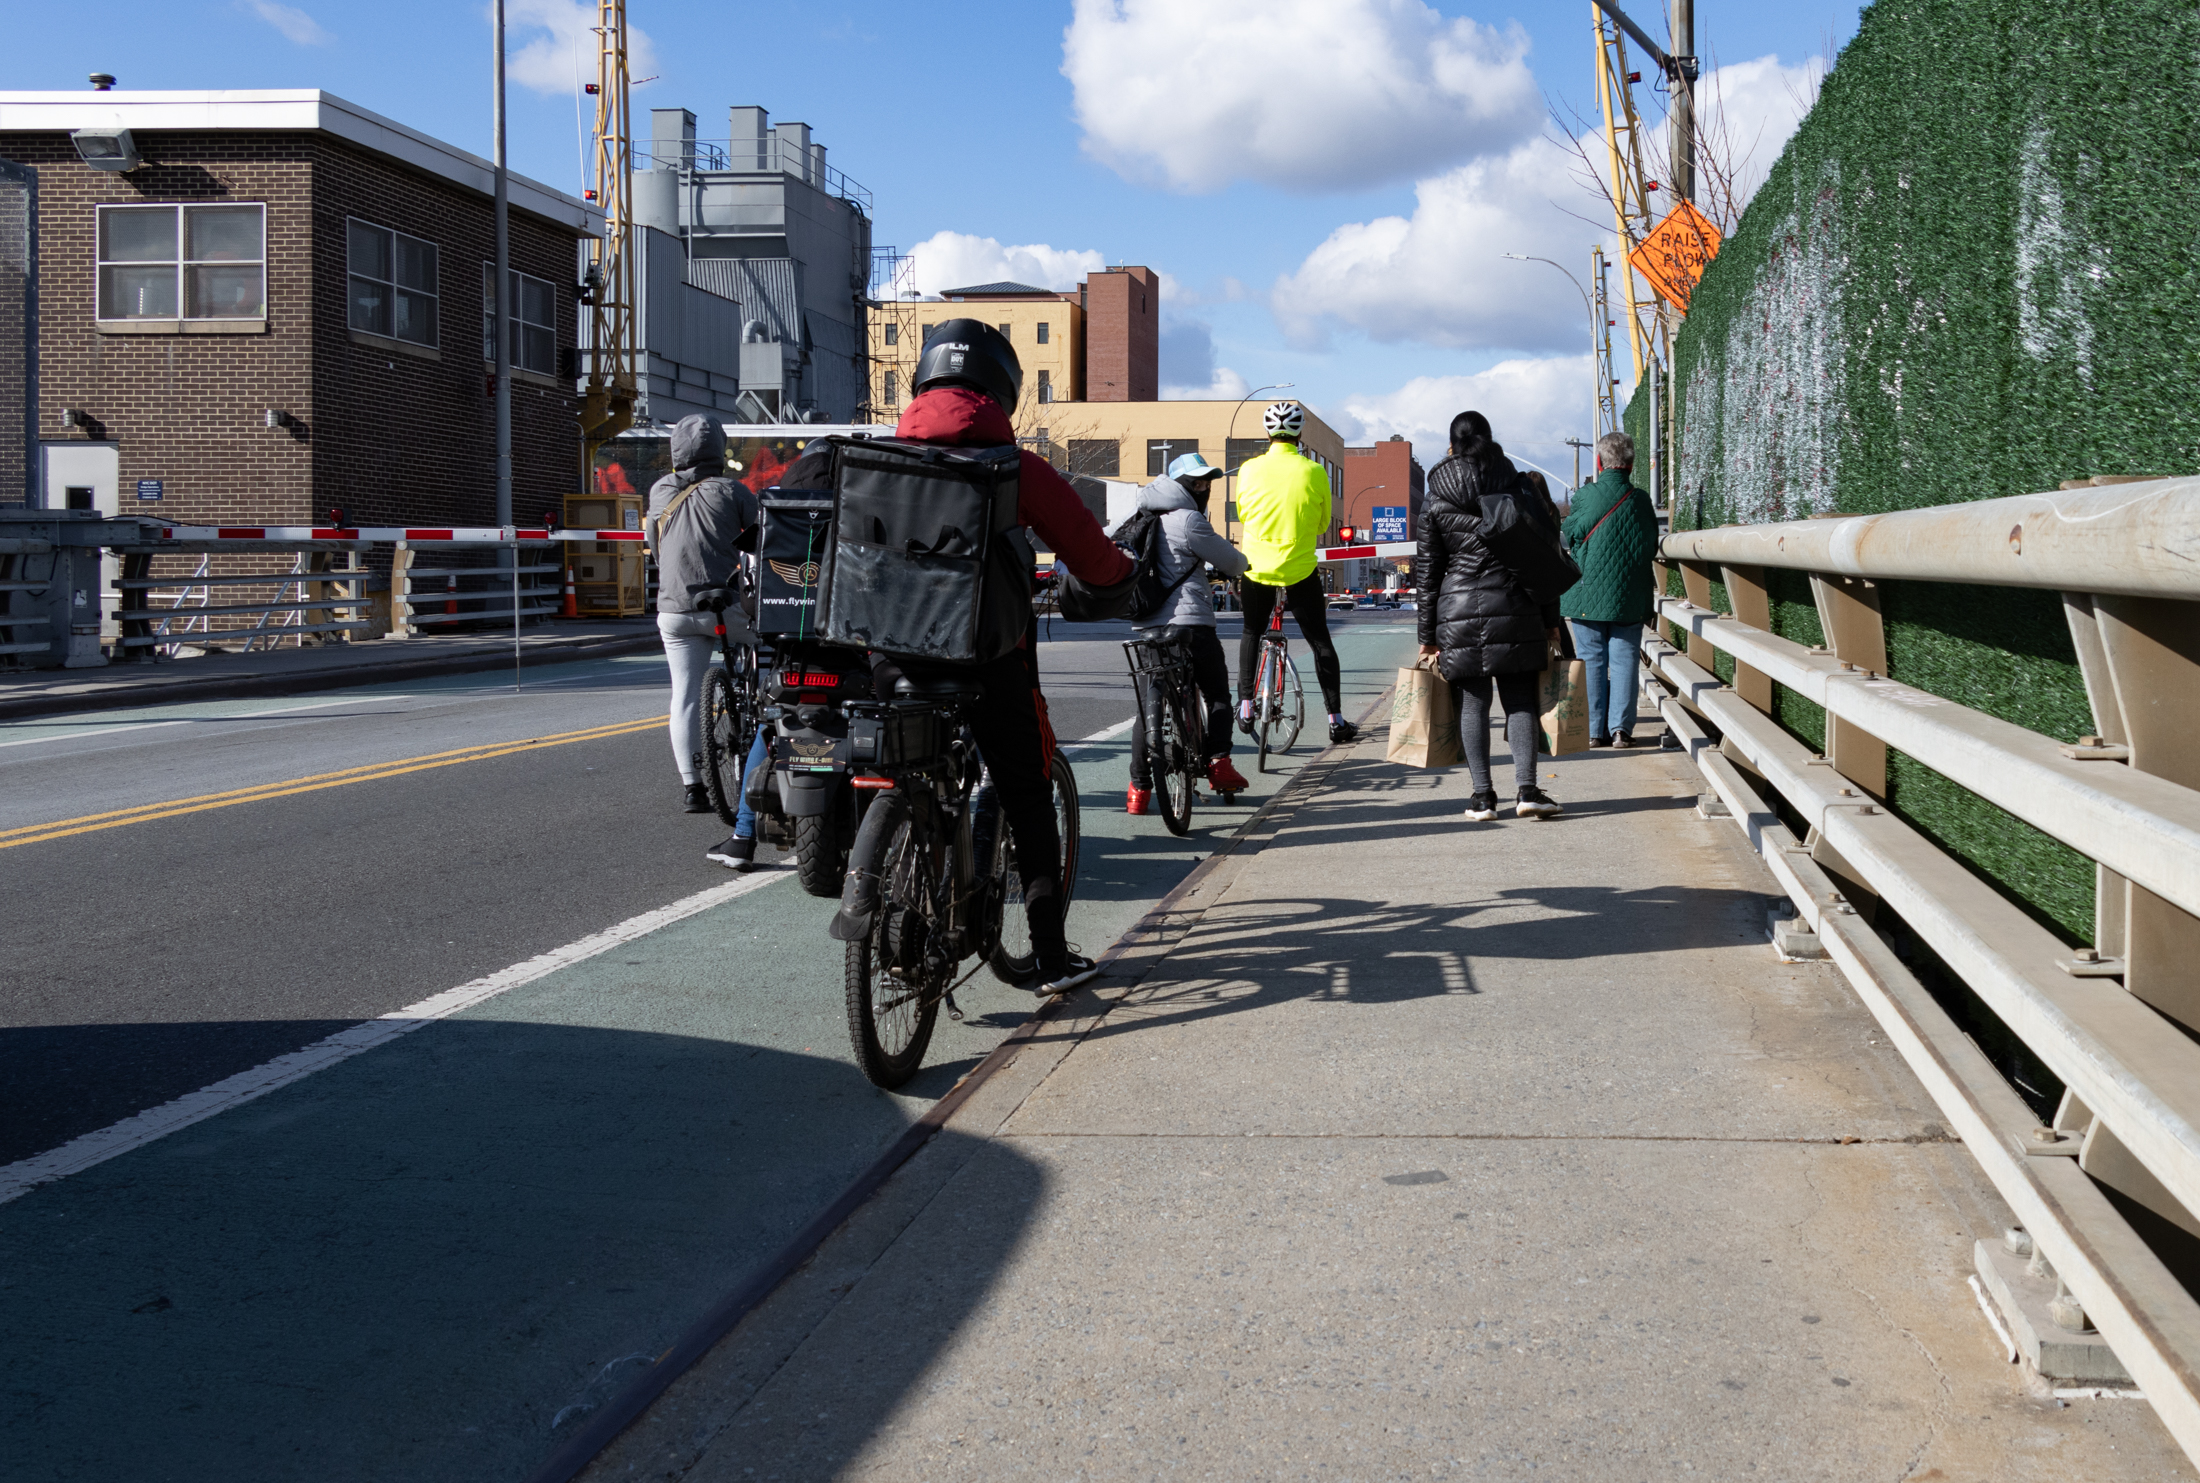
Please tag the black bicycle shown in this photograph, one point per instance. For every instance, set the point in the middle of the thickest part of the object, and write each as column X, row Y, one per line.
column 733, row 707
column 932, row 878
column 1170, row 712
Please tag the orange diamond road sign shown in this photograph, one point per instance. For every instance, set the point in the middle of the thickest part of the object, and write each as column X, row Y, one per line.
column 1676, row 252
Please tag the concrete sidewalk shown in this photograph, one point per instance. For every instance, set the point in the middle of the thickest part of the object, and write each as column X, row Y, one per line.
column 296, row 671
column 1421, row 1148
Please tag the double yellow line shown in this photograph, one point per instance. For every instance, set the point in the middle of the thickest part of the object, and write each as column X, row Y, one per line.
column 373, row 772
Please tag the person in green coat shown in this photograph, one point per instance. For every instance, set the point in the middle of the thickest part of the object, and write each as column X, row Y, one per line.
column 1612, row 535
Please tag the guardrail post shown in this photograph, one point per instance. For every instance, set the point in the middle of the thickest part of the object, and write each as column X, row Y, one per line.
column 1752, row 600
column 1696, row 580
column 130, row 609
column 401, row 624
column 1848, row 611
column 2149, row 648
column 2110, row 898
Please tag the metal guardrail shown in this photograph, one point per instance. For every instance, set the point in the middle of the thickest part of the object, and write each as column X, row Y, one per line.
column 2115, row 1020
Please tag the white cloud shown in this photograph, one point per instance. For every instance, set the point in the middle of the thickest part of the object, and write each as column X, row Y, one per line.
column 294, row 23
column 1440, row 277
column 1188, row 369
column 556, row 46
column 948, row 260
column 1301, row 94
column 1533, row 406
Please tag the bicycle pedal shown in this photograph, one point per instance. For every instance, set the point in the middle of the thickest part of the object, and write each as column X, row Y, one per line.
column 953, row 1012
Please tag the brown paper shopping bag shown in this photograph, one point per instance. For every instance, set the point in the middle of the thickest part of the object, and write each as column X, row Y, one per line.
column 1424, row 721
column 1565, row 707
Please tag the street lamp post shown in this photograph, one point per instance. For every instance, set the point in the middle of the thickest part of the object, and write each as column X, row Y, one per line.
column 1521, row 257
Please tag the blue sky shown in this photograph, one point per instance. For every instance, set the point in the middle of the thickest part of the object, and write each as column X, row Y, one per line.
column 1327, row 183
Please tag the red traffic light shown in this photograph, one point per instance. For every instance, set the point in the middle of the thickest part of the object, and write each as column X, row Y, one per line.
column 1348, row 533
column 589, row 88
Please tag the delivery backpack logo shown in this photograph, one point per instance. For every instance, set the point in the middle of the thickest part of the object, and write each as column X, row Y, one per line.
column 796, row 574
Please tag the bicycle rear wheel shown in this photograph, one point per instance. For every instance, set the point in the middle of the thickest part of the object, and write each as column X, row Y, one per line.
column 1172, row 762
column 1013, row 961
column 1286, row 709
column 892, row 1006
column 723, row 753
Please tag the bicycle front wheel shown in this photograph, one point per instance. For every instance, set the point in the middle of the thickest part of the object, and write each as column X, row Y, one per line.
column 724, row 753
column 892, row 1007
column 1013, row 959
column 1172, row 764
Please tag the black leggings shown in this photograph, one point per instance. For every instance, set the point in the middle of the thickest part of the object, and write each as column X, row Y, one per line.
column 1212, row 674
column 1517, row 695
column 1306, row 600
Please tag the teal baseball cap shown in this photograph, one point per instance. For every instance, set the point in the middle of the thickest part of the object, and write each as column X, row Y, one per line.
column 1192, row 466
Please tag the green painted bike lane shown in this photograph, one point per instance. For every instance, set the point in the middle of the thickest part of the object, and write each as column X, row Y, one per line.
column 431, row 1260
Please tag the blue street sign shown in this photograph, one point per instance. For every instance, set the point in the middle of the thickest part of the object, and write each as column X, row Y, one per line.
column 149, row 488
column 1389, row 522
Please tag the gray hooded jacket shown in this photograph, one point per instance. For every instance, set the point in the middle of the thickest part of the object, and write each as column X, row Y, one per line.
column 702, row 540
column 1191, row 542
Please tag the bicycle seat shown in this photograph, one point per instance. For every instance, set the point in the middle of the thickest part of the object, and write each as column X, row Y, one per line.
column 944, row 689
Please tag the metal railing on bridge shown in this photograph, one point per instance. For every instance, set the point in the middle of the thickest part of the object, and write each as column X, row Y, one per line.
column 2116, row 1020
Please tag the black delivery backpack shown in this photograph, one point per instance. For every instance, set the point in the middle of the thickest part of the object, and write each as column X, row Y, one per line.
column 794, row 533
column 920, row 565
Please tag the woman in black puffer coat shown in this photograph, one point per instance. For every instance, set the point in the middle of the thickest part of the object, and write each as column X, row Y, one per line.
column 1475, row 620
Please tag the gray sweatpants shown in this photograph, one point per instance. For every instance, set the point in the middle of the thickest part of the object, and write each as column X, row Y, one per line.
column 691, row 644
column 1517, row 694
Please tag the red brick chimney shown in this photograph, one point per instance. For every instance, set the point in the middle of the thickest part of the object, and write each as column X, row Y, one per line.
column 1122, row 335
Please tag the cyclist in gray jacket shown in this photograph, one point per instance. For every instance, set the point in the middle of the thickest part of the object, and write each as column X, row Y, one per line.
column 698, row 525
column 1190, row 544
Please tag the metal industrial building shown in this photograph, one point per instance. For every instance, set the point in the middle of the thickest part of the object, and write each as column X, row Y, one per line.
column 755, row 259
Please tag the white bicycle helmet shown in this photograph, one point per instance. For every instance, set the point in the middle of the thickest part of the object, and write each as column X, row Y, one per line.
column 1284, row 420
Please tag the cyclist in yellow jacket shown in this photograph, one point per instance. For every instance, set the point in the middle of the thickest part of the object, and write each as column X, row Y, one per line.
column 1282, row 509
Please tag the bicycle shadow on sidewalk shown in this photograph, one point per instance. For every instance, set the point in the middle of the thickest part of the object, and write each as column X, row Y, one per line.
column 1257, row 955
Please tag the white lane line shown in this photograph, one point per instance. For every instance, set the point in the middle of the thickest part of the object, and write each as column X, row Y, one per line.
column 1100, row 736
column 102, row 731
column 79, row 1154
column 67, row 735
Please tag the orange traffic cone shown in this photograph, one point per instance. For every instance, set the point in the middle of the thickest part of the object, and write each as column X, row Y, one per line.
column 450, row 604
column 572, row 608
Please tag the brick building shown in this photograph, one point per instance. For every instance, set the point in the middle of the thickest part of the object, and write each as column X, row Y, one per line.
column 281, row 309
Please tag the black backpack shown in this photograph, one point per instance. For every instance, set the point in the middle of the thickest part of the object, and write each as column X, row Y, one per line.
column 1529, row 548
column 794, row 531
column 920, row 565
column 1142, row 538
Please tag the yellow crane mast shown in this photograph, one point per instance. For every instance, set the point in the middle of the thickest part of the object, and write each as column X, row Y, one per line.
column 1631, row 186
column 608, row 404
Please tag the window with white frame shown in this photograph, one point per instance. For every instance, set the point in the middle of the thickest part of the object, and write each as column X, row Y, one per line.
column 534, row 321
column 392, row 284
column 183, row 262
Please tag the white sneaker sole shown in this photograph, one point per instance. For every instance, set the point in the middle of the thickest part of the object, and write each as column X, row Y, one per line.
column 1480, row 816
column 728, row 861
column 1064, row 985
column 1530, row 811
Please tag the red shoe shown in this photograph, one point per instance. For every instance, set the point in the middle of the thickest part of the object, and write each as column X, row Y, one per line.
column 1224, row 778
column 1140, row 801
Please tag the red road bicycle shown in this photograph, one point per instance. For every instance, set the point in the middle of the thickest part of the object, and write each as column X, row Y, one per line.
column 1279, row 701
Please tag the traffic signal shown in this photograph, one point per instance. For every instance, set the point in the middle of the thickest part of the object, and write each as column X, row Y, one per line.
column 1347, row 534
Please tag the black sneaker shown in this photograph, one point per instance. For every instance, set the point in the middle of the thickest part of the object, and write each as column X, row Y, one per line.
column 694, row 798
column 1600, row 741
column 1075, row 969
column 1482, row 807
column 735, row 854
column 1624, row 739
column 1245, row 723
column 1536, row 804
column 1342, row 731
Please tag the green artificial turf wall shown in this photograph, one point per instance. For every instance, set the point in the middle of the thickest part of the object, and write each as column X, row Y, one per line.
column 1973, row 272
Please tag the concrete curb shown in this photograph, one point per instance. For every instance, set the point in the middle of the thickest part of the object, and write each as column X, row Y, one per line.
column 1143, row 946
column 125, row 694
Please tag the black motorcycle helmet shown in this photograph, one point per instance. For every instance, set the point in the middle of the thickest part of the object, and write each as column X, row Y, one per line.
column 970, row 352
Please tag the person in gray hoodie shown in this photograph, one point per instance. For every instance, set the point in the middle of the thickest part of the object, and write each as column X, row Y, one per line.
column 1190, row 544
column 698, row 525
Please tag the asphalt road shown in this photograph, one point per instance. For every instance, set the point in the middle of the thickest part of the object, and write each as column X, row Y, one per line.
column 427, row 1260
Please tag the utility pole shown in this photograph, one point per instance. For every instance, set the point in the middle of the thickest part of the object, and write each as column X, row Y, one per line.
column 503, row 294
column 1684, row 101
column 503, row 328
column 1577, row 445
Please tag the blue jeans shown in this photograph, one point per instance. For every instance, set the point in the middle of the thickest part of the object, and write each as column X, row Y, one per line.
column 1610, row 652
column 744, row 817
